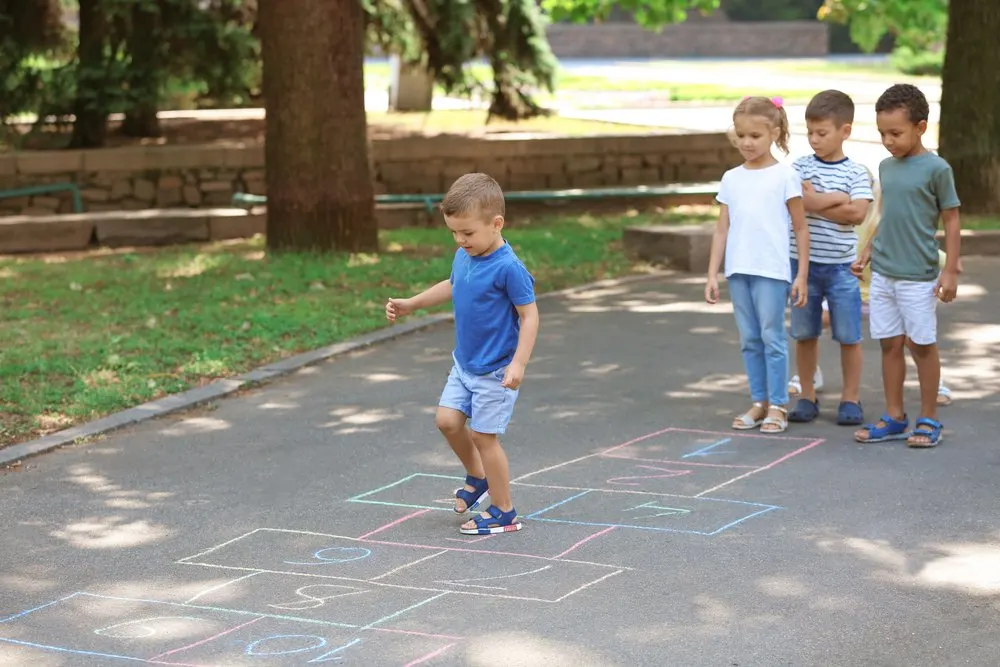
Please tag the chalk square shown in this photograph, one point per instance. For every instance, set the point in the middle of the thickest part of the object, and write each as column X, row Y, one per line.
column 735, row 450
column 643, row 511
column 115, row 627
column 347, row 603
column 621, row 474
column 307, row 554
column 504, row 575
column 269, row 641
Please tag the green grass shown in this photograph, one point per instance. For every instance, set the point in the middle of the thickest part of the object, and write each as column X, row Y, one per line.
column 473, row 120
column 980, row 223
column 87, row 335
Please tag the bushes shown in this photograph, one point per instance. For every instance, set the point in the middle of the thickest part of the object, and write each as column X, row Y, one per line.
column 918, row 63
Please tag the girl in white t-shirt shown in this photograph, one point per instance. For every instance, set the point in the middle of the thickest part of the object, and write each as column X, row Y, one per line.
column 760, row 199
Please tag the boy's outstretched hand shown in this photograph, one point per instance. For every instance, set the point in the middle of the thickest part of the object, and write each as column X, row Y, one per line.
column 397, row 308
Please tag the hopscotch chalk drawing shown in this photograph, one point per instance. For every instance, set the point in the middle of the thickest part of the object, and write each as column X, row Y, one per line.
column 309, row 598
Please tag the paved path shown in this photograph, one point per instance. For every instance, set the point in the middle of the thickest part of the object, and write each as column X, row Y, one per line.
column 306, row 522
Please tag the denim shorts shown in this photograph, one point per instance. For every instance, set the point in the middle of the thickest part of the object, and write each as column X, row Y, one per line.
column 482, row 398
column 842, row 291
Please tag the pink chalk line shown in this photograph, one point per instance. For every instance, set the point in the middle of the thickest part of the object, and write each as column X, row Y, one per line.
column 429, row 656
column 417, row 634
column 680, row 463
column 394, row 523
column 761, row 469
column 205, row 641
column 488, row 552
column 584, row 541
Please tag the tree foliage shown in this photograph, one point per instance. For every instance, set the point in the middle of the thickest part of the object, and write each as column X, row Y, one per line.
column 917, row 24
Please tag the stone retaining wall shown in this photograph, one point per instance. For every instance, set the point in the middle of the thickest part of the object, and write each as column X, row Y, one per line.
column 206, row 176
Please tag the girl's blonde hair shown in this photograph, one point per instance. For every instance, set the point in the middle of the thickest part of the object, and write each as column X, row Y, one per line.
column 773, row 109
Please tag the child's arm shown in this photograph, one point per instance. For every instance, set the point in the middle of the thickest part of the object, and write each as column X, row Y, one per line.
column 800, row 286
column 820, row 202
column 948, row 282
column 715, row 255
column 525, row 344
column 430, row 297
column 851, row 213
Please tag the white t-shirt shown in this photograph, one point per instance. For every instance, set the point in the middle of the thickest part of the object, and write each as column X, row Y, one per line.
column 759, row 221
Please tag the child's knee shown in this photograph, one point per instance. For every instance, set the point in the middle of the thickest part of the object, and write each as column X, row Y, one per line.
column 894, row 344
column 485, row 441
column 921, row 351
column 449, row 420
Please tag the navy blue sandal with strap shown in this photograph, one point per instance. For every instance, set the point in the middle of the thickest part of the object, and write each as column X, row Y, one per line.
column 929, row 429
column 497, row 522
column 473, row 499
column 890, row 429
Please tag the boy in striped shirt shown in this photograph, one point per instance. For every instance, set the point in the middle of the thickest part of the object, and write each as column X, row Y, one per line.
column 837, row 193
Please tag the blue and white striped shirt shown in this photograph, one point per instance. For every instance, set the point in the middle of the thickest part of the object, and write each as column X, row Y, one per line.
column 830, row 242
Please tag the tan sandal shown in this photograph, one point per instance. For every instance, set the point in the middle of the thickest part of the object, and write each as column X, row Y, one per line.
column 776, row 424
column 745, row 422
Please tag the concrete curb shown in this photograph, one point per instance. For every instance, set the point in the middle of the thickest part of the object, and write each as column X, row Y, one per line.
column 221, row 388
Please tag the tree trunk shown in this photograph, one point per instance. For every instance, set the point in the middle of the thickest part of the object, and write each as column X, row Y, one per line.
column 970, row 103
column 319, row 183
column 90, row 107
column 145, row 73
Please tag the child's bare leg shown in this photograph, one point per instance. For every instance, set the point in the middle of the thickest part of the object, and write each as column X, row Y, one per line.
column 929, row 373
column 807, row 358
column 497, row 471
column 851, row 360
column 451, row 423
column 893, row 375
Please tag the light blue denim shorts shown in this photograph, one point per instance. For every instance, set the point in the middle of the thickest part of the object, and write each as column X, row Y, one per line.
column 482, row 398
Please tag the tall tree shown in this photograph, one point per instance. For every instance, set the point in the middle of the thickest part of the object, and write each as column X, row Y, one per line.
column 319, row 183
column 970, row 95
column 970, row 103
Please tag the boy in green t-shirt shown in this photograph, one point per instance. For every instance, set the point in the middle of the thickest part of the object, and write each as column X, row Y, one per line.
column 918, row 188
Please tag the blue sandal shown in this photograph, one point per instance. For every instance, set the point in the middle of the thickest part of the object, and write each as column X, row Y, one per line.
column 473, row 499
column 497, row 522
column 850, row 414
column 891, row 429
column 926, row 428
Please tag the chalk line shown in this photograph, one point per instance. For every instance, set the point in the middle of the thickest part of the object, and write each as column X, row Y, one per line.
column 739, row 521
column 588, row 585
column 394, row 523
column 219, row 546
column 590, row 456
column 403, row 611
column 60, row 649
column 763, row 468
column 205, row 641
column 430, row 656
column 383, row 488
column 41, row 606
column 219, row 587
column 682, row 463
column 403, row 567
column 585, row 540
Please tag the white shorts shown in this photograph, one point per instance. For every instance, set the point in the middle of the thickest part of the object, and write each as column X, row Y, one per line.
column 901, row 307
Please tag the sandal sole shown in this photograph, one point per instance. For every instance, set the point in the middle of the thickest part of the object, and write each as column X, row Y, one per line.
column 747, row 427
column 496, row 530
column 886, row 438
column 925, row 445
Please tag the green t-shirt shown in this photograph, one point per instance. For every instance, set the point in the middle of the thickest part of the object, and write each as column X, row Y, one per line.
column 914, row 192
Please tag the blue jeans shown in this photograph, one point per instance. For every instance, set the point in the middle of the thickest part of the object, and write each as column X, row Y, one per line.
column 759, row 304
column 842, row 291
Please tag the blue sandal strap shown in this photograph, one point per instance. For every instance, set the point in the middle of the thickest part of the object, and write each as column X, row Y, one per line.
column 473, row 498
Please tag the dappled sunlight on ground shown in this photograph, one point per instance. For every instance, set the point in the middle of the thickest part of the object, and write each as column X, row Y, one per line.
column 965, row 567
column 193, row 425
column 111, row 532
column 523, row 649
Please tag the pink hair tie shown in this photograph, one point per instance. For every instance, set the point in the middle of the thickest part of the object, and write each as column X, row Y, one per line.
column 777, row 101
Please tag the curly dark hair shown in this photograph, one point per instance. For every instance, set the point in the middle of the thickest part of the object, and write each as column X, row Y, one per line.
column 904, row 96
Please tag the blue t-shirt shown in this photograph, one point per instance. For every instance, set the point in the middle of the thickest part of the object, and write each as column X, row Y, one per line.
column 484, row 291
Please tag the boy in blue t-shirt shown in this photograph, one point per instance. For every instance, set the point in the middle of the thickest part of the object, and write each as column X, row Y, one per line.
column 496, row 323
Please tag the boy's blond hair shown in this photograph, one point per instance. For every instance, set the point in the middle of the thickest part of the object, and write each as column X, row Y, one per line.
column 474, row 194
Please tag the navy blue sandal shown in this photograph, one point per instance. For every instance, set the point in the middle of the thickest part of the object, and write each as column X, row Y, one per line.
column 473, row 499
column 497, row 522
column 927, row 428
column 804, row 411
column 850, row 414
column 891, row 429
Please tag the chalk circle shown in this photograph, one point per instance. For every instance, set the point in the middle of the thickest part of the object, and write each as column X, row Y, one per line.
column 252, row 647
column 143, row 630
column 348, row 554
